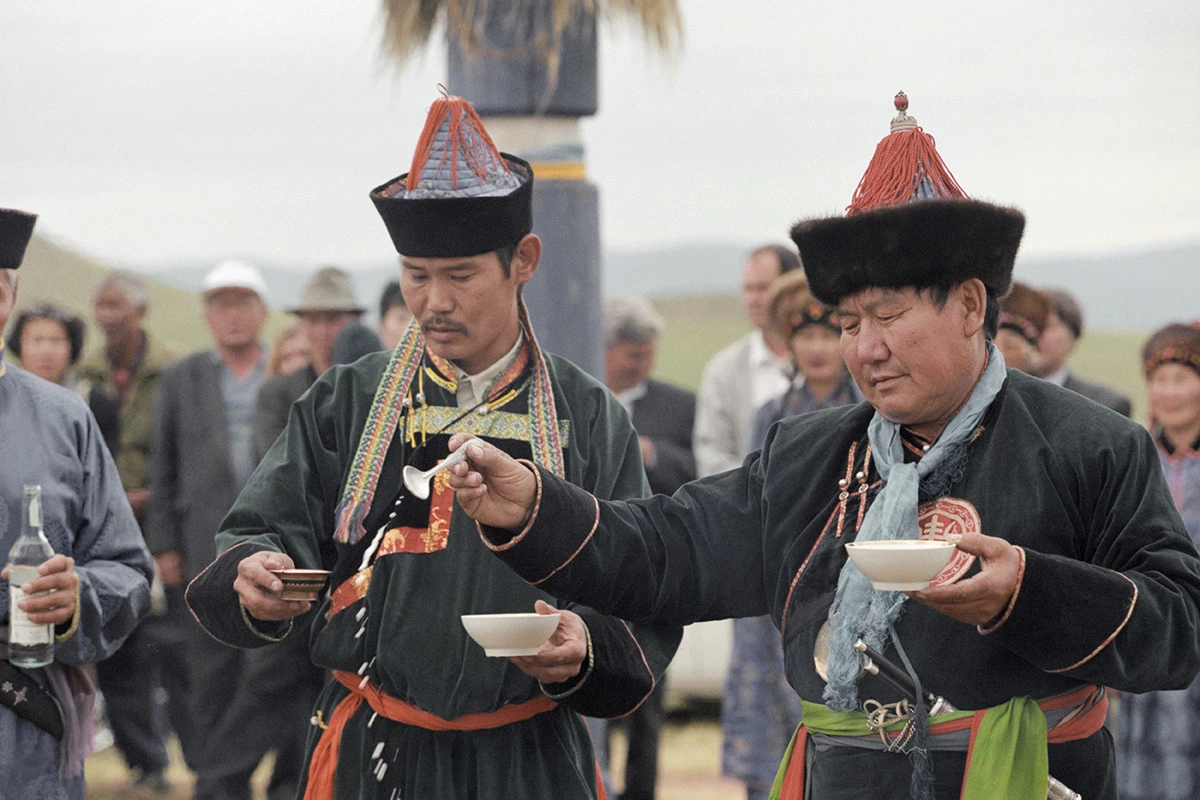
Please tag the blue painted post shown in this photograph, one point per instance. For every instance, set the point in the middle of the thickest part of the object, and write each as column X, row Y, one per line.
column 536, row 118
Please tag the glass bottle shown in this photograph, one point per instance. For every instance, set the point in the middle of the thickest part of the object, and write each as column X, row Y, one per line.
column 29, row 644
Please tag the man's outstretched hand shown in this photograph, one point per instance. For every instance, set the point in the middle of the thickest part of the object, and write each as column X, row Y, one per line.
column 492, row 487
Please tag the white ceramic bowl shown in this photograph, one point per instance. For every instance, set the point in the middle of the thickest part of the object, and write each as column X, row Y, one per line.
column 510, row 634
column 902, row 566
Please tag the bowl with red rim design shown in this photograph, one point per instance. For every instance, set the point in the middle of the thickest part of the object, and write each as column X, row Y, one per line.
column 904, row 565
column 301, row 584
column 510, row 634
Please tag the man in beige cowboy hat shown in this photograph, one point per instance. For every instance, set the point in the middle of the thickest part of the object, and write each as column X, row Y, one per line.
column 326, row 306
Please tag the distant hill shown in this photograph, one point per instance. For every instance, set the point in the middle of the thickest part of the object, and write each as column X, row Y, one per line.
column 695, row 286
column 1135, row 292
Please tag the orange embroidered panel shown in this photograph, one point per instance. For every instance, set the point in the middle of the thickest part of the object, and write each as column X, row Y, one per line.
column 429, row 539
column 351, row 591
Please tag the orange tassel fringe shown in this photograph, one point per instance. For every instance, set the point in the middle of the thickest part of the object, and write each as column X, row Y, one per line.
column 461, row 115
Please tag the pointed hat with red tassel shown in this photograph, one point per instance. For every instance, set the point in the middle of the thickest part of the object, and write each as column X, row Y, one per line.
column 461, row 196
column 909, row 224
column 906, row 167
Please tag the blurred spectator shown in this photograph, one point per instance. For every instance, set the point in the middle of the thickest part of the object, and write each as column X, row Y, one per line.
column 1023, row 314
column 129, row 366
column 737, row 382
column 95, row 587
column 280, row 684
column 203, row 454
column 1158, row 733
column 326, row 306
column 760, row 711
column 49, row 340
column 813, row 336
column 353, row 342
column 394, row 315
column 1064, row 327
column 743, row 375
column 289, row 351
column 663, row 416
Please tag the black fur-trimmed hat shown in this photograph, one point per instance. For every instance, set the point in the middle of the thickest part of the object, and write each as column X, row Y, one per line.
column 16, row 227
column 920, row 244
column 909, row 224
column 461, row 197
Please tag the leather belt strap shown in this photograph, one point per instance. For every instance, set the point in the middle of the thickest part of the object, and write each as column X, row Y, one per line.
column 30, row 700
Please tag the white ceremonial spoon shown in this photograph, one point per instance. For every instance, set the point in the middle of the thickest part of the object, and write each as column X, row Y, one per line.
column 417, row 481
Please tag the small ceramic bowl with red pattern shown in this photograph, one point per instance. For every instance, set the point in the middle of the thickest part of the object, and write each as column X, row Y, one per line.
column 301, row 584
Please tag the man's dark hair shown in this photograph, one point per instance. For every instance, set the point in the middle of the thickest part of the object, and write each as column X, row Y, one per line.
column 1067, row 308
column 786, row 256
column 390, row 297
column 505, row 254
column 940, row 293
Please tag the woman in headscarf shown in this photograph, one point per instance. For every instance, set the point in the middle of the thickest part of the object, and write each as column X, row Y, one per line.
column 1024, row 312
column 813, row 336
column 1158, row 733
column 759, row 710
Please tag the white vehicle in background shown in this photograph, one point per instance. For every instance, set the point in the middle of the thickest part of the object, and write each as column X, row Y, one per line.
column 697, row 673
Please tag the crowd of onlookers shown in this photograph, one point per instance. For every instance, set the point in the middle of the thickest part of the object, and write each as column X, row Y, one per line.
column 186, row 433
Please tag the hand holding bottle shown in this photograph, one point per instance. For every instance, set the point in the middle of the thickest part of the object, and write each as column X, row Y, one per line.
column 42, row 587
column 55, row 591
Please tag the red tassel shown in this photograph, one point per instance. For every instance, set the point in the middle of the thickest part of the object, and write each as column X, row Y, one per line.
column 902, row 160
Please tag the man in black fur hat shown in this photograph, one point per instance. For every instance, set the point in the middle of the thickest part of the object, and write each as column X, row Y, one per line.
column 1072, row 570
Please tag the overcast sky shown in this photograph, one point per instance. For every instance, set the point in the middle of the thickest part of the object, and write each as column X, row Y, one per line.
column 146, row 132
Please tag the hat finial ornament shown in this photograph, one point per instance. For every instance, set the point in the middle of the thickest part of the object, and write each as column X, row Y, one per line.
column 902, row 121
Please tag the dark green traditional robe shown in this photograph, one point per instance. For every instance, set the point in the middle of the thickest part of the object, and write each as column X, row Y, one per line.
column 401, row 625
column 1110, row 593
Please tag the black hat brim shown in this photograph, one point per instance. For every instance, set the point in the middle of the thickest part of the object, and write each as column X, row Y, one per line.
column 16, row 228
column 457, row 227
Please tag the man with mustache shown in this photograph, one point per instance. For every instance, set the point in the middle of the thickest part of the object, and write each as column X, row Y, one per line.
column 416, row 709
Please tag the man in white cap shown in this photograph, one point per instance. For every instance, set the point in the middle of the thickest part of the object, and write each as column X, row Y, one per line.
column 202, row 455
column 96, row 586
column 416, row 709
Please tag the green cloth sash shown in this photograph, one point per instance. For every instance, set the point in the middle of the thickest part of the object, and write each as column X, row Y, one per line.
column 1007, row 756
